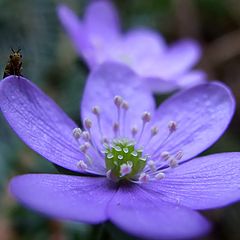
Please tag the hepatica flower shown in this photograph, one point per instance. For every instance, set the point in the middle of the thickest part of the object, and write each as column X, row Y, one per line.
column 136, row 161
column 98, row 38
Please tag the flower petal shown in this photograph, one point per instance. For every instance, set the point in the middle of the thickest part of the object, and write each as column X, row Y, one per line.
column 62, row 196
column 191, row 79
column 77, row 33
column 101, row 21
column 39, row 122
column 179, row 58
column 108, row 81
column 144, row 42
column 207, row 182
column 145, row 215
column 202, row 114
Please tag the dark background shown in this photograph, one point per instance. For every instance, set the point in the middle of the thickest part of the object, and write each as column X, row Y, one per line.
column 51, row 62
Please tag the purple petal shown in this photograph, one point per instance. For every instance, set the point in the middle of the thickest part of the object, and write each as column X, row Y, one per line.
column 143, row 43
column 101, row 21
column 191, row 79
column 66, row 197
column 206, row 182
column 178, row 59
column 39, row 122
column 77, row 33
column 202, row 114
column 144, row 214
column 108, row 81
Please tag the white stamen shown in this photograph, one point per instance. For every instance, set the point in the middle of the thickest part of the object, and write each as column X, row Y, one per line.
column 172, row 162
column 134, row 131
column 82, row 165
column 125, row 105
column 84, row 147
column 152, row 165
column 125, row 169
column 118, row 101
column 115, row 128
column 105, row 140
column 144, row 177
column 96, row 110
column 77, row 132
column 86, row 136
column 154, row 131
column 172, row 126
column 146, row 117
column 160, row 176
column 88, row 123
column 165, row 155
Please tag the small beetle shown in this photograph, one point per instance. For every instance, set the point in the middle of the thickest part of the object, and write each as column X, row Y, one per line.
column 14, row 65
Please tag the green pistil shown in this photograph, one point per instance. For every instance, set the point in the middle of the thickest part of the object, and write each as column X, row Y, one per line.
column 124, row 152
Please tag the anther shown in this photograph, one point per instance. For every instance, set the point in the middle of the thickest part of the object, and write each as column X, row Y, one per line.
column 88, row 123
column 154, row 131
column 134, row 131
column 96, row 110
column 125, row 169
column 86, row 136
column 172, row 126
column 165, row 155
column 82, row 165
column 105, row 140
column 152, row 165
column 125, row 105
column 115, row 128
column 146, row 117
column 77, row 132
column 143, row 178
column 118, row 101
column 84, row 147
column 172, row 162
column 160, row 176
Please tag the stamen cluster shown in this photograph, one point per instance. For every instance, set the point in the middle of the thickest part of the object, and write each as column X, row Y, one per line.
column 125, row 158
column 122, row 160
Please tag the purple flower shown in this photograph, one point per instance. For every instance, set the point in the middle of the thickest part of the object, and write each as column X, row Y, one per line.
column 141, row 174
column 98, row 38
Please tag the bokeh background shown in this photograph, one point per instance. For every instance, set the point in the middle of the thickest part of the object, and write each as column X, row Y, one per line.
column 51, row 62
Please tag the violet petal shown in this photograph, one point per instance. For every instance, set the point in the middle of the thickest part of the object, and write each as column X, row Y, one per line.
column 107, row 81
column 77, row 33
column 206, row 182
column 101, row 21
column 179, row 58
column 66, row 197
column 202, row 114
column 145, row 215
column 39, row 122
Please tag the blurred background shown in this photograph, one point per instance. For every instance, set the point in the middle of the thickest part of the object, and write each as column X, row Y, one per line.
column 50, row 61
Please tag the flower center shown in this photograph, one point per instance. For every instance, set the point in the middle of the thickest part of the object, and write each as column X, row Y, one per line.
column 123, row 160
column 129, row 153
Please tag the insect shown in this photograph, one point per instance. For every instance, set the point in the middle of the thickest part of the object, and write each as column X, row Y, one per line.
column 14, row 65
